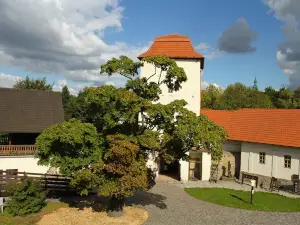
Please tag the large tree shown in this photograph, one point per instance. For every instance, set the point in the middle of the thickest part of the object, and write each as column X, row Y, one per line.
column 35, row 84
column 130, row 125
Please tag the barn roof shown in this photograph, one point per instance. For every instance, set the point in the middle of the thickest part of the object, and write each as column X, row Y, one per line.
column 29, row 111
column 267, row 126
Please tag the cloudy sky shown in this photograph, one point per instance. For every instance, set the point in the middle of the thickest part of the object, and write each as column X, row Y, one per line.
column 67, row 41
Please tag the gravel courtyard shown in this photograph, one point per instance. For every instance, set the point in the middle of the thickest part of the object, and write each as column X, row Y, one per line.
column 168, row 204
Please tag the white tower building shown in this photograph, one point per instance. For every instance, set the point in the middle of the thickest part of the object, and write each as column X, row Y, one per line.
column 180, row 49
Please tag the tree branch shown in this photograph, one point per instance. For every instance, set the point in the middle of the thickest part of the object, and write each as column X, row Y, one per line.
column 126, row 76
column 159, row 77
column 152, row 74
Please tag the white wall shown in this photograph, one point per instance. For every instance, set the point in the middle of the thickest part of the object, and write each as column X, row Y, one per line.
column 23, row 164
column 190, row 92
column 153, row 165
column 206, row 165
column 274, row 160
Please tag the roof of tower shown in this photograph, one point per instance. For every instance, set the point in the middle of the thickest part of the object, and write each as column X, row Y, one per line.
column 174, row 46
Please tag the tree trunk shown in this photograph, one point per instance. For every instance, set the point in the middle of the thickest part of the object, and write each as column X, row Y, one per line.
column 116, row 206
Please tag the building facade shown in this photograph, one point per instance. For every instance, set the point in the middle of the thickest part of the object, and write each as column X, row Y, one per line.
column 262, row 142
column 180, row 49
column 24, row 114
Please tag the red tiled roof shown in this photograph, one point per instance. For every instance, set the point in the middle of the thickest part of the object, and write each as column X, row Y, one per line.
column 268, row 126
column 174, row 46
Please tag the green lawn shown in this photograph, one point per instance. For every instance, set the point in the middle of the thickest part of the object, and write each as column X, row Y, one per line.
column 241, row 199
column 31, row 219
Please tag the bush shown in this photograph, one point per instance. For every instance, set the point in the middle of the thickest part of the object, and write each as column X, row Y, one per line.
column 26, row 197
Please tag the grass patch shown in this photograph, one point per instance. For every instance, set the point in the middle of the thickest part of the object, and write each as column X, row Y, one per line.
column 34, row 218
column 241, row 199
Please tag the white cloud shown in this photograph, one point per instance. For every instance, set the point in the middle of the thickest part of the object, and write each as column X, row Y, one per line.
column 205, row 85
column 74, row 89
column 61, row 36
column 288, row 53
column 208, row 51
column 62, row 83
column 202, row 46
column 110, row 83
column 7, row 80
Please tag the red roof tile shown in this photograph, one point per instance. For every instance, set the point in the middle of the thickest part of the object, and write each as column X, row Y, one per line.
column 268, row 126
column 174, row 46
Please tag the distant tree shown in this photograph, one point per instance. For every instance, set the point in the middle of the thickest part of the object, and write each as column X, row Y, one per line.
column 257, row 99
column 285, row 99
column 297, row 97
column 234, row 97
column 271, row 92
column 237, row 96
column 65, row 94
column 35, row 84
column 211, row 97
column 67, row 102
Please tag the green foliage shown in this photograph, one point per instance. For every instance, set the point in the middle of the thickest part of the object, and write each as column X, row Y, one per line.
column 124, row 66
column 67, row 100
column 122, row 172
column 239, row 96
column 65, row 95
column 144, row 89
column 104, row 107
column 26, row 197
column 125, row 167
column 297, row 98
column 182, row 130
column 211, row 97
column 173, row 78
column 117, row 128
column 69, row 146
column 36, row 84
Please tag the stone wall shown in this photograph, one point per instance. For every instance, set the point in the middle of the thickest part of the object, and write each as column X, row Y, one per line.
column 225, row 168
column 265, row 181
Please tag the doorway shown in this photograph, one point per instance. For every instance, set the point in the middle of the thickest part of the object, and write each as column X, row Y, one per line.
column 237, row 163
column 169, row 171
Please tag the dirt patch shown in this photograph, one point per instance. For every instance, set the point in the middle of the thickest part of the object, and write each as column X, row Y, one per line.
column 74, row 216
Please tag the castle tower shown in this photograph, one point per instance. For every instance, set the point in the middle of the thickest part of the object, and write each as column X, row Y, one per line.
column 180, row 49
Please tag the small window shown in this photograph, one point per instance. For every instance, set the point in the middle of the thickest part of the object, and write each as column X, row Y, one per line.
column 262, row 157
column 287, row 161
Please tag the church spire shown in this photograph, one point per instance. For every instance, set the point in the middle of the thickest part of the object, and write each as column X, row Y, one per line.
column 255, row 86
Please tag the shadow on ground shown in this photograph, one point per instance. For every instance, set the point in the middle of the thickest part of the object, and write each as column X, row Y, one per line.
column 239, row 198
column 99, row 203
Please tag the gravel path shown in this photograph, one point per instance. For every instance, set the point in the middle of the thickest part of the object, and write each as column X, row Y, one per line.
column 168, row 204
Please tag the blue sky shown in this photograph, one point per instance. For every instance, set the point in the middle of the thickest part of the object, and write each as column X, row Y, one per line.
column 69, row 41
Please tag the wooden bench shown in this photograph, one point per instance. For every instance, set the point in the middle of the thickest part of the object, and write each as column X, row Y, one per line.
column 251, row 177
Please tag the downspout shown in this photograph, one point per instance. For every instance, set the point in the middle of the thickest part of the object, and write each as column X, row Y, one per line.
column 249, row 162
column 272, row 164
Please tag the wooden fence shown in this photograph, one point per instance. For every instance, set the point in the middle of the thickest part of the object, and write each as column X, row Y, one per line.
column 17, row 150
column 50, row 182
